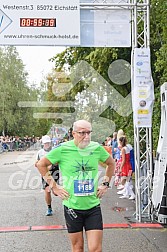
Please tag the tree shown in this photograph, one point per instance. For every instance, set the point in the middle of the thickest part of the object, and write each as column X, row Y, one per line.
column 15, row 120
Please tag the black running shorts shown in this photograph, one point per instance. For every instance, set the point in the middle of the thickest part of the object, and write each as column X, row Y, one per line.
column 55, row 174
column 90, row 219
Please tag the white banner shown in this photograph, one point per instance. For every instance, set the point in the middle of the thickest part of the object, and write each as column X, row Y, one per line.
column 106, row 28
column 40, row 22
column 143, row 88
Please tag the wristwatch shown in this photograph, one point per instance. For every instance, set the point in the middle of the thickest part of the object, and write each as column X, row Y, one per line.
column 106, row 184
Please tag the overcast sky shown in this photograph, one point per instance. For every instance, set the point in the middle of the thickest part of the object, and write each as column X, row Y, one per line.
column 36, row 60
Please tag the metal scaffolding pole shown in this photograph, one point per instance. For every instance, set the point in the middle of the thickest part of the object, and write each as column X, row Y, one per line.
column 142, row 136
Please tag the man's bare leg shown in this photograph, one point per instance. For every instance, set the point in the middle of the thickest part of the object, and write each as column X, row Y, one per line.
column 77, row 241
column 94, row 238
column 48, row 198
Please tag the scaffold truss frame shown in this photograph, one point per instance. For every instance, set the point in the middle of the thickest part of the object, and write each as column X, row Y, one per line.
column 140, row 10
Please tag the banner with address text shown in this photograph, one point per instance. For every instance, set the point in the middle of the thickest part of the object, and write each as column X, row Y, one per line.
column 40, row 22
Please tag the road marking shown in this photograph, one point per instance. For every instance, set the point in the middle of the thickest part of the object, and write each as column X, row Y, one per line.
column 14, row 229
column 63, row 227
column 146, row 225
column 56, row 227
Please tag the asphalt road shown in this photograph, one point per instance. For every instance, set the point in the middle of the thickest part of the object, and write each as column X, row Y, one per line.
column 25, row 228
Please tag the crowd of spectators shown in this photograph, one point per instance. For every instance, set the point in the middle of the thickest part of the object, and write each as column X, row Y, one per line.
column 123, row 154
column 11, row 143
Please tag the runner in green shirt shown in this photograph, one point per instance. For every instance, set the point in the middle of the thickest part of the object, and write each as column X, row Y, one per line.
column 78, row 160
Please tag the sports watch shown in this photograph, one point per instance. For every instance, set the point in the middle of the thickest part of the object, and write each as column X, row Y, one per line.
column 106, row 184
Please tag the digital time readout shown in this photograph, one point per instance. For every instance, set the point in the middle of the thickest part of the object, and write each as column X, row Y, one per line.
column 37, row 22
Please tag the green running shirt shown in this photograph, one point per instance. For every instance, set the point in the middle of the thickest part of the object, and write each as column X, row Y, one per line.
column 79, row 169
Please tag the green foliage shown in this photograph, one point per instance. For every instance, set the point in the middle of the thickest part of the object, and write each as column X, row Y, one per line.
column 14, row 88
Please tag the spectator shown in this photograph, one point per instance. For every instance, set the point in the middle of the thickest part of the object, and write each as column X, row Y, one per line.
column 125, row 170
column 114, row 144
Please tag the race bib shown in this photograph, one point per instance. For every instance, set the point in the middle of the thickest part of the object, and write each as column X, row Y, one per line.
column 84, row 187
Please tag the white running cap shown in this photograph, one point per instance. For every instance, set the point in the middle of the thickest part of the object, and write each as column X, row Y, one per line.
column 46, row 139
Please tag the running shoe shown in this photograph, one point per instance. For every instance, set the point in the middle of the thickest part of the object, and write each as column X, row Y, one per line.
column 132, row 197
column 49, row 212
column 123, row 191
column 124, row 197
column 120, row 187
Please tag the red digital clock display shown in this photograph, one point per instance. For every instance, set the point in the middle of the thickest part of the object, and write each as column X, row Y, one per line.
column 37, row 22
